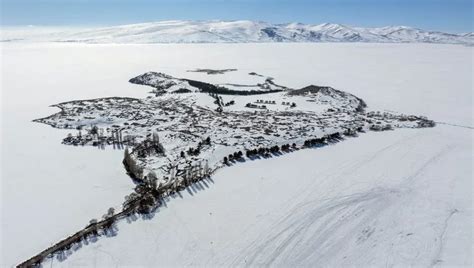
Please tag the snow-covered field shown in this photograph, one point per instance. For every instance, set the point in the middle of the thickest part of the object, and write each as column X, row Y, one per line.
column 401, row 197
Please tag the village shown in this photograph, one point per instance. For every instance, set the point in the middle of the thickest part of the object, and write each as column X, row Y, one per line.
column 166, row 135
column 177, row 139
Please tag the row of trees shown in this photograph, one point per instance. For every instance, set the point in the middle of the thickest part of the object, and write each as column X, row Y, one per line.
column 97, row 136
column 266, row 152
column 262, row 151
column 195, row 173
column 105, row 227
column 287, row 147
column 314, row 142
column 235, row 156
column 334, row 137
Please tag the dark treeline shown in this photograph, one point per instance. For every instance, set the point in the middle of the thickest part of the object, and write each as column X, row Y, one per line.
column 210, row 88
column 267, row 152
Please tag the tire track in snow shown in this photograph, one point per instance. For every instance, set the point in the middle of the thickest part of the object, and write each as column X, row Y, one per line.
column 307, row 234
column 429, row 162
column 436, row 258
column 353, row 165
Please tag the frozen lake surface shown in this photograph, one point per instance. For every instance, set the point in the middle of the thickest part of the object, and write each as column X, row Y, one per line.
column 401, row 197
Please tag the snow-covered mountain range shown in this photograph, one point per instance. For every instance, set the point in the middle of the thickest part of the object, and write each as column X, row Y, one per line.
column 235, row 32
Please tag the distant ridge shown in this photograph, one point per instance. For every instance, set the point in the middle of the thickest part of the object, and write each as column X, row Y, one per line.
column 235, row 32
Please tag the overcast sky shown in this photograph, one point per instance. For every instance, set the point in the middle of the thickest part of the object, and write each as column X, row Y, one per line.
column 443, row 15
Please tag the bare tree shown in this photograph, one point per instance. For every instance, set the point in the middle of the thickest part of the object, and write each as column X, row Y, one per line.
column 110, row 211
column 206, row 169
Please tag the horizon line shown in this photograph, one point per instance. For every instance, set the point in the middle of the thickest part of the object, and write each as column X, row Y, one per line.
column 214, row 20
